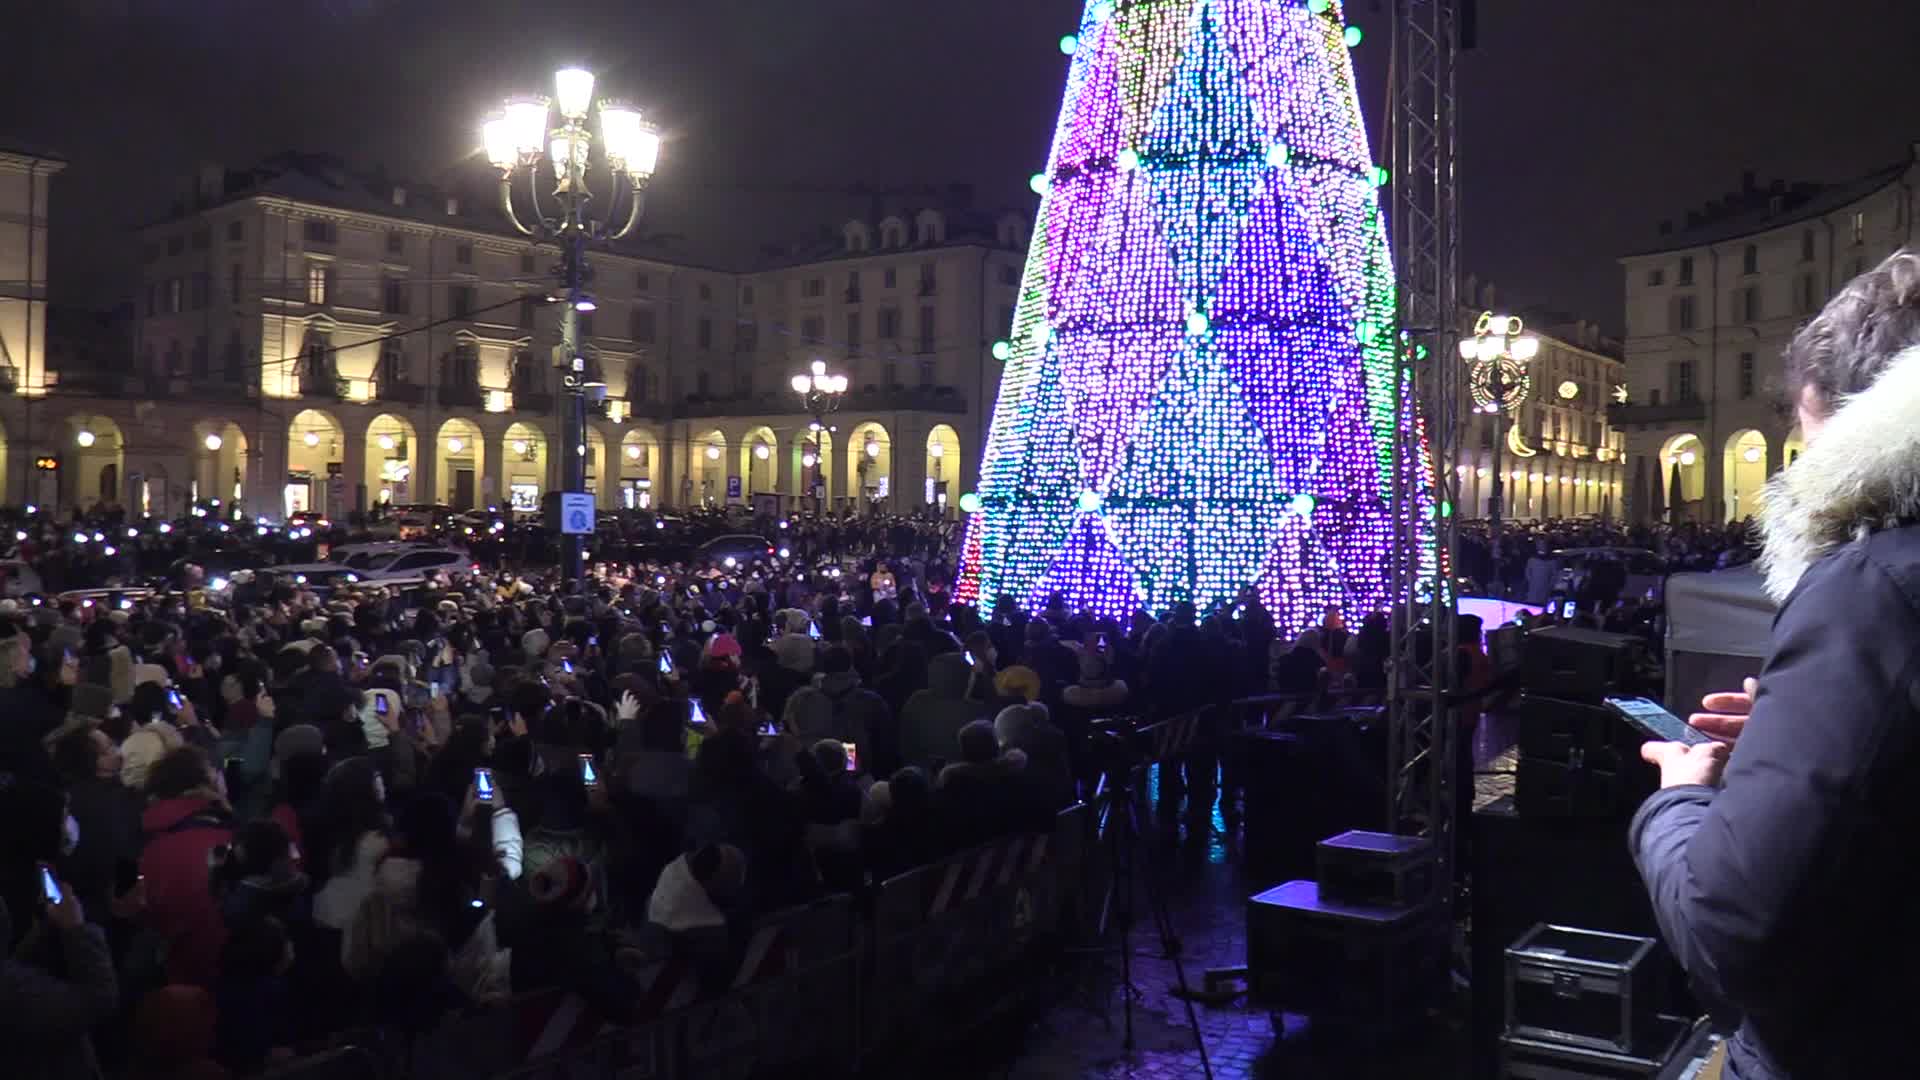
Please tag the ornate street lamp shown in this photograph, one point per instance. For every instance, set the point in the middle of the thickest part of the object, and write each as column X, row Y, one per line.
column 821, row 394
column 517, row 139
column 1496, row 357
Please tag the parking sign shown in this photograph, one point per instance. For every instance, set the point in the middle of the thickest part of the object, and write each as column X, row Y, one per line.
column 576, row 513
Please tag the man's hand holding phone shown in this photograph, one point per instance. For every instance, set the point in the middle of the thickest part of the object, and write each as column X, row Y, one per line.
column 1724, row 715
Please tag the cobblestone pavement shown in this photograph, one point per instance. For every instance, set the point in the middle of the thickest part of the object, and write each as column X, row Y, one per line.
column 1207, row 886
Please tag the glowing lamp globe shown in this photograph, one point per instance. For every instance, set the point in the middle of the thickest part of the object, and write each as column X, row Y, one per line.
column 213, row 442
column 1002, row 350
column 84, row 437
column 454, row 446
column 633, row 453
column 713, row 453
column 573, row 92
column 970, row 502
column 311, row 439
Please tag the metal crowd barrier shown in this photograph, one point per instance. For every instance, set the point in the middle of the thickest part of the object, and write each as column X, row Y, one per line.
column 820, row 989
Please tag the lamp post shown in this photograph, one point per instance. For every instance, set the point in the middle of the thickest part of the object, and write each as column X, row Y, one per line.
column 1497, row 356
column 517, row 139
column 821, row 394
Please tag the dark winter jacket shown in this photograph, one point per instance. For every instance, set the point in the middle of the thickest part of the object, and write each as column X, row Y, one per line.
column 1788, row 892
column 44, row 1018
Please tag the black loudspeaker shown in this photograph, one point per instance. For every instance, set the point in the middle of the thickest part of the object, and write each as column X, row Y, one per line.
column 1578, row 759
column 1571, row 871
column 1581, row 665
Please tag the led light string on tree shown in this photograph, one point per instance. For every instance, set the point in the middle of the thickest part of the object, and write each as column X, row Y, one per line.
column 1200, row 372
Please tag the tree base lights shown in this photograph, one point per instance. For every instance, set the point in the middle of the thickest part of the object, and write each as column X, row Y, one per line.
column 1199, row 394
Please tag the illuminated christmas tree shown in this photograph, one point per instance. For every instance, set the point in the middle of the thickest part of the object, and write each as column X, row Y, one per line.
column 1198, row 392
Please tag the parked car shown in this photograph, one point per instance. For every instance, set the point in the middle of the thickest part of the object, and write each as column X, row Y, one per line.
column 742, row 548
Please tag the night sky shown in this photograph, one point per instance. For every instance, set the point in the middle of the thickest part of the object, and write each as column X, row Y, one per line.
column 1584, row 122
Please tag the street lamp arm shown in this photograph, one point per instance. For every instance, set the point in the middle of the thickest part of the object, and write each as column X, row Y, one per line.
column 636, row 195
column 506, row 204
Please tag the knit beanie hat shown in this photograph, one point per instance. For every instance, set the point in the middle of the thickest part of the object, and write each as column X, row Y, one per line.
column 296, row 740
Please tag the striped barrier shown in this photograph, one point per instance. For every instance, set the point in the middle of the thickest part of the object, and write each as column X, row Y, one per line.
column 818, row 990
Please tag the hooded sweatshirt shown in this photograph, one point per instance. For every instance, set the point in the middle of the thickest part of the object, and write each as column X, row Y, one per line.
column 931, row 720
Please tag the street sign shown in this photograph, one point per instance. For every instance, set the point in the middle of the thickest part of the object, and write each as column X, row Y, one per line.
column 576, row 513
column 733, row 487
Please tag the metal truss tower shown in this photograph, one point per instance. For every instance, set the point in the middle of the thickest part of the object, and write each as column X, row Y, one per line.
column 1425, row 236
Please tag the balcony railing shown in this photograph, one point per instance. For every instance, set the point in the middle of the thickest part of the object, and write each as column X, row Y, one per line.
column 335, row 387
column 453, row 397
column 1674, row 412
column 532, row 401
column 937, row 399
column 400, row 393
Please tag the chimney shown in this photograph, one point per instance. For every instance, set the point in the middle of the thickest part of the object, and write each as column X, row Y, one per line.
column 1472, row 290
column 1491, row 297
column 212, row 183
column 399, row 195
column 453, row 206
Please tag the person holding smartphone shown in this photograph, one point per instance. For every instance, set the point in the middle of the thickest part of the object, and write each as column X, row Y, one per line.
column 52, row 997
column 1782, row 871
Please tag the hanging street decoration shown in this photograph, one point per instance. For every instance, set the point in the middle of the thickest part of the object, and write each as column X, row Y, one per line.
column 1199, row 394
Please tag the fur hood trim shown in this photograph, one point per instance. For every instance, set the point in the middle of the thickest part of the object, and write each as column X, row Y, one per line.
column 1862, row 475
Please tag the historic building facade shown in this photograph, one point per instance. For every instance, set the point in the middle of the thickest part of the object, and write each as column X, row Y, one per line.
column 1710, row 310
column 311, row 338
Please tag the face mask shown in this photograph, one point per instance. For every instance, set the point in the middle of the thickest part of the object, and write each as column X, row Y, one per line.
column 69, row 836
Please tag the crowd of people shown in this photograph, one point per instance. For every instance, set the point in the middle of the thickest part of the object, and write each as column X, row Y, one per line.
column 242, row 822
column 1525, row 544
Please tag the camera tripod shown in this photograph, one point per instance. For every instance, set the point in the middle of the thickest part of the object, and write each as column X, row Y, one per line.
column 1116, row 810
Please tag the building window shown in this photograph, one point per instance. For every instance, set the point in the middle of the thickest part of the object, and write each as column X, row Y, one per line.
column 706, row 292
column 200, row 358
column 1685, row 276
column 1010, row 275
column 813, row 288
column 393, row 296
column 1809, row 294
column 463, row 370
column 746, row 296
column 460, row 301
column 393, row 365
column 926, row 373
column 236, row 231
column 853, row 286
column 175, row 245
column 743, row 384
column 1750, row 259
column 528, row 311
column 1680, row 380
column 1749, row 299
column 1746, row 374
column 702, row 383
column 201, row 238
column 173, row 359
column 890, row 373
column 317, row 283
column 889, row 278
column 927, row 279
column 234, row 360
column 233, row 282
column 813, row 330
column 1859, row 267
column 641, row 282
column 926, row 329
column 853, row 333
column 202, row 286
column 1684, row 316
column 396, row 243
column 1858, row 226
column 463, row 254
column 320, row 232
column 703, row 333
column 1806, row 245
column 747, row 337
column 640, row 325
